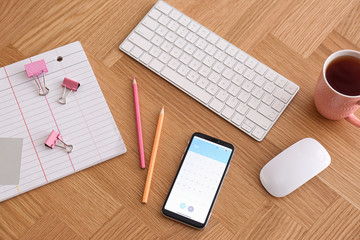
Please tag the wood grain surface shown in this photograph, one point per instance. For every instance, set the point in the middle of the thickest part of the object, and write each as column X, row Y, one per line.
column 104, row 202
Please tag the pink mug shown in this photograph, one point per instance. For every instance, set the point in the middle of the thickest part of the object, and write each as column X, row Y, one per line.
column 331, row 103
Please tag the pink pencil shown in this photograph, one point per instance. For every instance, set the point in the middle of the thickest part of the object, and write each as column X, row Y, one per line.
column 138, row 124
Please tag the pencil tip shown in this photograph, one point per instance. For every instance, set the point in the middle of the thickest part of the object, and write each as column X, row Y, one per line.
column 134, row 81
column 162, row 110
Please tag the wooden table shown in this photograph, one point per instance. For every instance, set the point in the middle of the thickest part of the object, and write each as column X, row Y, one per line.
column 292, row 37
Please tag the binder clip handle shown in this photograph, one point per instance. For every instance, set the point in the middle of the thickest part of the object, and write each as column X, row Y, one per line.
column 52, row 140
column 71, row 85
column 34, row 70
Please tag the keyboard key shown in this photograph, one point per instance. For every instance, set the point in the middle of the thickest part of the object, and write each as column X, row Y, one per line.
column 164, row 20
column 268, row 99
column 201, row 43
column 237, row 119
column 248, row 86
column 278, row 105
column 161, row 30
column 154, row 14
column 156, row 65
column 231, row 50
column 193, row 76
column 175, row 52
column 282, row 95
column 185, row 58
column 220, row 55
column 251, row 62
column 234, row 90
column 127, row 46
column 230, row 62
column 271, row 75
column 166, row 46
column 150, row 23
column 249, row 74
column 155, row 51
column 241, row 56
column 257, row 92
column 140, row 41
column 157, row 40
column 174, row 63
column 259, row 119
column 242, row 108
column 259, row 80
column 204, row 71
column 244, row 96
column 268, row 112
column 189, row 48
column 291, row 88
column 183, row 70
column 224, row 84
column 228, row 112
column 202, row 82
column 239, row 68
column 238, row 80
column 213, row 38
column 260, row 69
column 258, row 133
column 182, row 32
column 136, row 52
column 222, row 44
column 254, row 102
column 249, row 123
column 210, row 49
column 184, row 20
column 199, row 55
column 208, row 61
column 194, row 26
column 217, row 105
column 231, row 102
column 212, row 89
column 146, row 58
column 164, row 57
column 269, row 87
column 173, row 26
column 175, row 14
column 163, row 7
column 195, row 65
column 203, row 32
column 228, row 73
column 214, row 77
column 180, row 42
column 280, row 81
column 222, row 95
column 218, row 67
column 246, row 127
column 191, row 37
column 186, row 85
column 170, row 36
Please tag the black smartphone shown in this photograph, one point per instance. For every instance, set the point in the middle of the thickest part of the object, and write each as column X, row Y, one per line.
column 198, row 181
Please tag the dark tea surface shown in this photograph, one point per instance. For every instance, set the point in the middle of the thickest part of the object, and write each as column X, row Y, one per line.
column 343, row 75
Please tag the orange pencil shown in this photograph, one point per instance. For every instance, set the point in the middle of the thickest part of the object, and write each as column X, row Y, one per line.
column 153, row 156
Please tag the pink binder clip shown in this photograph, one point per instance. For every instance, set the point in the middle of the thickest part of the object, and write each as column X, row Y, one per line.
column 34, row 70
column 68, row 84
column 53, row 138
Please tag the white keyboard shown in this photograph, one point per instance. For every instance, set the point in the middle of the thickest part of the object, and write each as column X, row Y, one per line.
column 236, row 86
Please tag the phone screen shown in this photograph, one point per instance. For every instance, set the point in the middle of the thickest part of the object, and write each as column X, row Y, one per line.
column 199, row 179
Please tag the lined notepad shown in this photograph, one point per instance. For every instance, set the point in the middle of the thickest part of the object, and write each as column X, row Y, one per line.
column 85, row 121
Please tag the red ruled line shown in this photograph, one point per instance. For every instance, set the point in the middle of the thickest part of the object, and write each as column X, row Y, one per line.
column 54, row 118
column 25, row 124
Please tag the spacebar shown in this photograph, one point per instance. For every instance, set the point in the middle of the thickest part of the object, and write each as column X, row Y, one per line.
column 186, row 85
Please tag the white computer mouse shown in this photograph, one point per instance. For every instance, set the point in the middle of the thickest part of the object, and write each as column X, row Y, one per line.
column 294, row 166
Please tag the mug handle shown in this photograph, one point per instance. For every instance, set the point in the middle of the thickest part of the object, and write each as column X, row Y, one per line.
column 353, row 120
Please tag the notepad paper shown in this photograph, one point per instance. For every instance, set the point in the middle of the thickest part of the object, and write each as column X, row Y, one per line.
column 85, row 121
